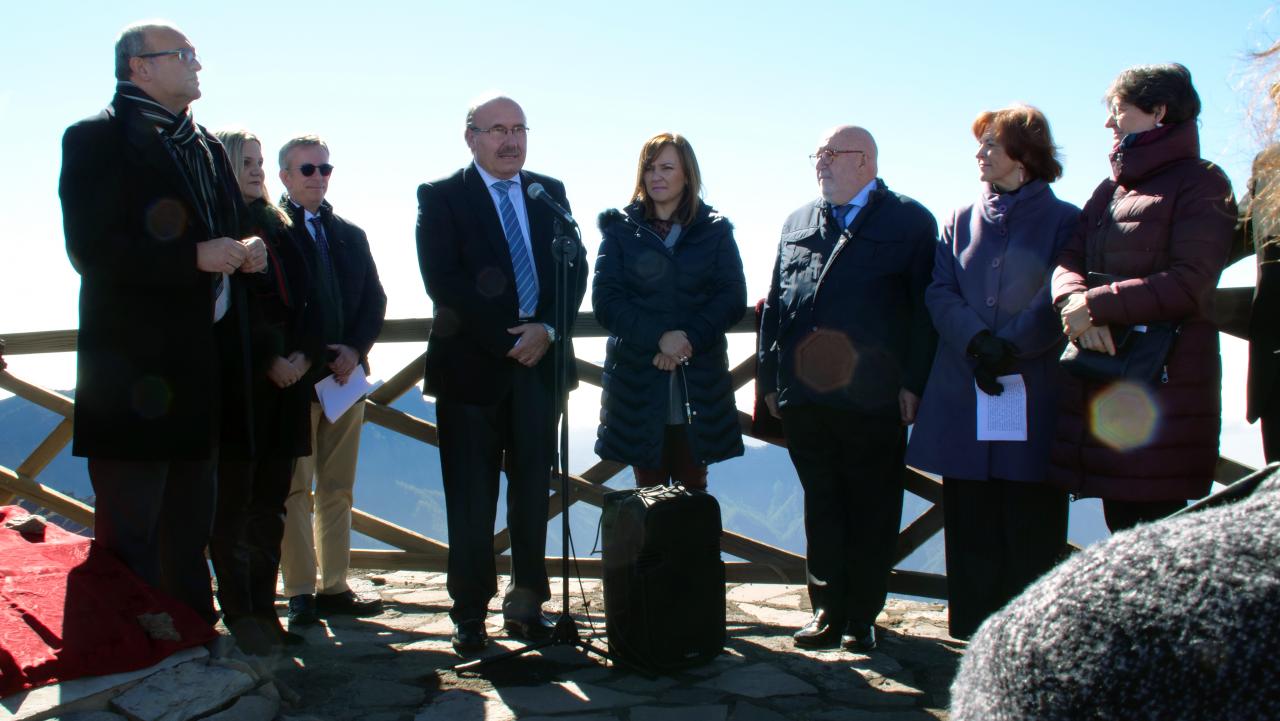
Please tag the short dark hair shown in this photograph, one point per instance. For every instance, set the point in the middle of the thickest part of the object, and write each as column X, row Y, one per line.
column 1146, row 86
column 689, row 200
column 1023, row 132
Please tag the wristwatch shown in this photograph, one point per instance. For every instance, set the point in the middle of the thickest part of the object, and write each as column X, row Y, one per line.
column 551, row 332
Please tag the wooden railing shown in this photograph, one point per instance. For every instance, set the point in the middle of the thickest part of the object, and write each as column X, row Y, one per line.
column 761, row 562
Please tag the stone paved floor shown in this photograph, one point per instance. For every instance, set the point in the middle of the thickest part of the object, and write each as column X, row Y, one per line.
column 398, row 667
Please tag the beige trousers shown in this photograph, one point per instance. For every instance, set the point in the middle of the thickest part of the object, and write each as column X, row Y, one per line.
column 322, row 539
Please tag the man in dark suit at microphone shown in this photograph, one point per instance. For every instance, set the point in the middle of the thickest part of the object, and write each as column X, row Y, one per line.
column 485, row 249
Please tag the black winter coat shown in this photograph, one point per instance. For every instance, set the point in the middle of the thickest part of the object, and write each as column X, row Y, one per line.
column 364, row 303
column 281, row 416
column 641, row 290
column 845, row 324
column 152, row 368
column 1263, row 230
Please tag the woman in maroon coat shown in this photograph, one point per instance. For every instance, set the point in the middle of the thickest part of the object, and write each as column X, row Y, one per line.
column 1162, row 224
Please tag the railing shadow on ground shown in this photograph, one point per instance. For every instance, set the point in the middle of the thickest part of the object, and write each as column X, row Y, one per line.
column 760, row 562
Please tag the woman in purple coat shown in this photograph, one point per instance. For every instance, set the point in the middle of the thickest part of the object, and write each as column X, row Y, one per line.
column 1161, row 226
column 989, row 299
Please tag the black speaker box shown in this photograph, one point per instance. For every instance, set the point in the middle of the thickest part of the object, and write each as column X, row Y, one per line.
column 663, row 578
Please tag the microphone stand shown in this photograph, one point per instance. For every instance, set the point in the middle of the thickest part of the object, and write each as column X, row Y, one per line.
column 565, row 249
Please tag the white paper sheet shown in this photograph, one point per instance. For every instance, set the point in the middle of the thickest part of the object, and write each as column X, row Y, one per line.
column 1003, row 417
column 337, row 399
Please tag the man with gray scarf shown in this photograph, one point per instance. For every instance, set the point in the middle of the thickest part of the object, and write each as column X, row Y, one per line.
column 151, row 214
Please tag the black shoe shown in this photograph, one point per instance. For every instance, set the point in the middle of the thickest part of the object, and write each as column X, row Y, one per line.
column 302, row 610
column 820, row 632
column 469, row 637
column 532, row 628
column 859, row 637
column 347, row 603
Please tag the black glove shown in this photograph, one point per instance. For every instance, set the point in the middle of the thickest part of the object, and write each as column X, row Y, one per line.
column 987, row 381
column 996, row 357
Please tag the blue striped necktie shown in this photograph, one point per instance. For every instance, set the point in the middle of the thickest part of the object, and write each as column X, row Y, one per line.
column 322, row 245
column 521, row 263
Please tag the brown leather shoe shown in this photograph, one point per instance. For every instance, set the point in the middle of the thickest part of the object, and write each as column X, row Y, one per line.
column 820, row 632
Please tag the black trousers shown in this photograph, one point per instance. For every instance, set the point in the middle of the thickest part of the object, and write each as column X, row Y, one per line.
column 156, row 516
column 1001, row 535
column 473, row 442
column 851, row 468
column 1270, row 436
column 247, row 529
column 1122, row 515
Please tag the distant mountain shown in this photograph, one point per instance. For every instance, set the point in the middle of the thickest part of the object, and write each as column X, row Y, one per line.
column 399, row 480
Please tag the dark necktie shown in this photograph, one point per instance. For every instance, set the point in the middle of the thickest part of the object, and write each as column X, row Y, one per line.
column 322, row 245
column 840, row 212
column 521, row 263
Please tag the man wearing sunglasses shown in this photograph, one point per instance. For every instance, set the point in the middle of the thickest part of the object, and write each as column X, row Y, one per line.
column 345, row 301
column 846, row 344
column 485, row 252
column 151, row 213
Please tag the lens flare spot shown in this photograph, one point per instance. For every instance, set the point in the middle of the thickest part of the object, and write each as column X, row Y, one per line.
column 1124, row 416
column 490, row 282
column 151, row 397
column 166, row 219
column 446, row 322
column 651, row 266
column 825, row 361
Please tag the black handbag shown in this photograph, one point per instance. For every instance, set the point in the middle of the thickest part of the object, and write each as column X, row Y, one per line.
column 1141, row 350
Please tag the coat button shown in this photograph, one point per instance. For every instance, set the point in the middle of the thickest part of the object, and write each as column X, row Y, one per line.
column 991, row 302
column 995, row 263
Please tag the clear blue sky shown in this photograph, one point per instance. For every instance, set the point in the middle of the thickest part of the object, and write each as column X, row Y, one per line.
column 752, row 84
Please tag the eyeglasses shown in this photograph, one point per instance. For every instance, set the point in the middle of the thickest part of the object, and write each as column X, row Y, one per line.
column 309, row 169
column 501, row 130
column 827, row 155
column 186, row 55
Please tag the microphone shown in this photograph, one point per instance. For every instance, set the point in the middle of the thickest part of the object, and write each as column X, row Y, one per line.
column 537, row 192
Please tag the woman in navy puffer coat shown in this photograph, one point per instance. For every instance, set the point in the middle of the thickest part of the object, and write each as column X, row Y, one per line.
column 668, row 285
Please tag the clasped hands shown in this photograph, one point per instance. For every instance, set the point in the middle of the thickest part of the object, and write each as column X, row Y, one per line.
column 674, row 350
column 996, row 357
column 228, row 255
column 531, row 344
column 1080, row 329
column 285, row 371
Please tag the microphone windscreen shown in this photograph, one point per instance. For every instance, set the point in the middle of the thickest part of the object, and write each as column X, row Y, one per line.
column 536, row 190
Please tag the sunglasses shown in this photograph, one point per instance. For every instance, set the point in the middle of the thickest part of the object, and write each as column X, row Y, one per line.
column 309, row 169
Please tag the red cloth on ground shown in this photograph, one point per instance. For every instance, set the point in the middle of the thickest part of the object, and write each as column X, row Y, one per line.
column 69, row 608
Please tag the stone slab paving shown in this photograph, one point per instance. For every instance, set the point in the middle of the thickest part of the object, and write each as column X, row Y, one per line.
column 398, row 666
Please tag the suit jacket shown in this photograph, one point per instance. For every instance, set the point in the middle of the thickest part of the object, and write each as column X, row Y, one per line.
column 466, row 266
column 845, row 323
column 364, row 302
column 148, row 363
